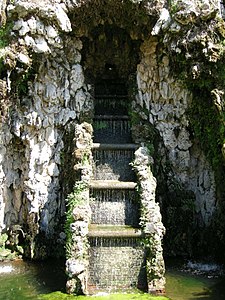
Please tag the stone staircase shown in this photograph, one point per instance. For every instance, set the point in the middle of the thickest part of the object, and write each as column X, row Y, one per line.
column 116, row 256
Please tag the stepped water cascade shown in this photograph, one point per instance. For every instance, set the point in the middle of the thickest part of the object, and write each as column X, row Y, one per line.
column 122, row 253
column 112, row 137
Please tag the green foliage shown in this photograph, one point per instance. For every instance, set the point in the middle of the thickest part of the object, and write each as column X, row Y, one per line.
column 134, row 117
column 3, row 239
column 5, row 35
column 76, row 197
column 173, row 7
column 22, row 82
column 208, row 127
column 100, row 125
column 151, row 148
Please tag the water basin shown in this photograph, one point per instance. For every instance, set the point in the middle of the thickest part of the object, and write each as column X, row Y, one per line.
column 194, row 281
column 46, row 280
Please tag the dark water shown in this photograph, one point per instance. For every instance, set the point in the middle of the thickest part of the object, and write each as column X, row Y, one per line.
column 28, row 280
column 192, row 284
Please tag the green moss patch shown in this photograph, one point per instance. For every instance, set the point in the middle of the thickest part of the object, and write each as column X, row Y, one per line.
column 62, row 296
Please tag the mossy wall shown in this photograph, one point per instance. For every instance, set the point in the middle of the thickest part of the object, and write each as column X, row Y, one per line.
column 170, row 54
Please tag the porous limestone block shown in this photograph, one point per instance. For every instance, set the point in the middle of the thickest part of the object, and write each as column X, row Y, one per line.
column 74, row 267
column 79, row 228
column 76, row 78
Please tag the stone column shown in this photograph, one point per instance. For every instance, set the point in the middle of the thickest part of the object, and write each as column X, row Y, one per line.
column 150, row 221
column 79, row 214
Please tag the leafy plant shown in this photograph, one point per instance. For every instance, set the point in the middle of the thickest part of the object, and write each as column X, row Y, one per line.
column 76, row 197
column 5, row 35
column 100, row 125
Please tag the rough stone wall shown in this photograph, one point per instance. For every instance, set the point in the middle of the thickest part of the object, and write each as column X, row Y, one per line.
column 32, row 143
column 43, row 78
column 164, row 102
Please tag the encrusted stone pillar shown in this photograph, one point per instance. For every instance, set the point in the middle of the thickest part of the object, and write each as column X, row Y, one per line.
column 150, row 221
column 79, row 213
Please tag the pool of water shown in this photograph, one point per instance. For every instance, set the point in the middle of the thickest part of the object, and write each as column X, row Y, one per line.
column 184, row 283
column 21, row 280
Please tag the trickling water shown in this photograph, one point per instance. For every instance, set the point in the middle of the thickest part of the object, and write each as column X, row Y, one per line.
column 113, row 165
column 111, row 105
column 124, row 270
column 111, row 130
column 120, row 207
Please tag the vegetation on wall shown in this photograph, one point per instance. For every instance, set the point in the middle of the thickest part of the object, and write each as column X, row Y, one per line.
column 201, row 69
column 75, row 198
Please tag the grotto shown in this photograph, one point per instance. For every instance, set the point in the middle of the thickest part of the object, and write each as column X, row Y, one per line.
column 112, row 132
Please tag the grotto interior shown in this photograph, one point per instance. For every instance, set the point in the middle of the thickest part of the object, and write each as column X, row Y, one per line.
column 105, row 110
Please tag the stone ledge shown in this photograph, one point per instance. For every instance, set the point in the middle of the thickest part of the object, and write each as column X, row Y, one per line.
column 112, row 184
column 114, row 231
column 100, row 146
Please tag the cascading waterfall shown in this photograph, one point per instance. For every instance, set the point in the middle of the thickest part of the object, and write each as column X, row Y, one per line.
column 119, row 206
column 117, row 258
column 109, row 164
column 117, row 263
column 112, row 128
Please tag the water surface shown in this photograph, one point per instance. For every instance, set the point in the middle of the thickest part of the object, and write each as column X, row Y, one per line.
column 183, row 285
column 46, row 280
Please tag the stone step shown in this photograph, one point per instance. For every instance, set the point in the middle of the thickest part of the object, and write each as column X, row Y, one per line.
column 112, row 184
column 102, row 146
column 114, row 231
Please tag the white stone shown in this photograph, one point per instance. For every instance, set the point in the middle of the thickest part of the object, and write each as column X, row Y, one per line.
column 51, row 91
column 164, row 89
column 23, row 58
column 40, row 27
column 45, row 153
column 80, row 100
column 175, row 27
column 183, row 140
column 80, row 228
column 163, row 21
column 32, row 23
column 51, row 136
column 53, row 169
column 18, row 25
column 51, row 32
column 29, row 41
column 62, row 18
column 76, row 78
column 74, row 267
column 41, row 46
column 24, row 29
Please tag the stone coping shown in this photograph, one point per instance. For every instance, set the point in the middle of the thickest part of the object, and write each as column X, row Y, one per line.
column 100, row 146
column 112, row 184
column 114, row 231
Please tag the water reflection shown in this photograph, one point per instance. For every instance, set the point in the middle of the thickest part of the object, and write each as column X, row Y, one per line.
column 183, row 285
column 27, row 280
